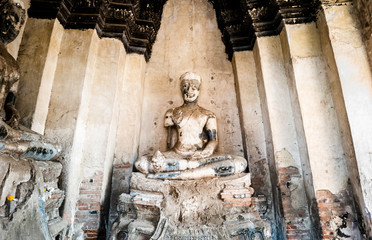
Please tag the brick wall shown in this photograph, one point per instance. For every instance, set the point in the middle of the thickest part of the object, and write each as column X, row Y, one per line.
column 296, row 223
column 89, row 209
column 336, row 214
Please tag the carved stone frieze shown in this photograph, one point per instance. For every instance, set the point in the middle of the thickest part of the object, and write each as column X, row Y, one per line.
column 134, row 23
column 265, row 17
column 235, row 25
column 79, row 14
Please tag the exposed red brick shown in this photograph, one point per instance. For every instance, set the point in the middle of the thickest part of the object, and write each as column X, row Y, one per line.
column 295, row 229
column 88, row 206
column 291, row 227
column 56, row 196
column 332, row 206
column 82, row 207
column 124, row 165
column 239, row 204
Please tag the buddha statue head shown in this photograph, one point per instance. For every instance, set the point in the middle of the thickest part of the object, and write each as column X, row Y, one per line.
column 12, row 18
column 190, row 86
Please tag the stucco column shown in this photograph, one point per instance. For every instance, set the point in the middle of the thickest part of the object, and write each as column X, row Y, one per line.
column 129, row 125
column 274, row 91
column 99, row 139
column 68, row 109
column 321, row 128
column 83, row 116
column 353, row 85
column 37, row 59
column 251, row 120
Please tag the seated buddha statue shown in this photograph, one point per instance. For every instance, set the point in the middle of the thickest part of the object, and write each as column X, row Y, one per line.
column 193, row 155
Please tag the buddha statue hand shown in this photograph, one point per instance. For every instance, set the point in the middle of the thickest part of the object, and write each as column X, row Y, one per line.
column 157, row 161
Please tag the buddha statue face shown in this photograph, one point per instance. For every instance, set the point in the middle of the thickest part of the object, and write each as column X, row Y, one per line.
column 12, row 17
column 190, row 86
column 190, row 90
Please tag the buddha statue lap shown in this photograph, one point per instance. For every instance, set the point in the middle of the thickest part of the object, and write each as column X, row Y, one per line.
column 193, row 156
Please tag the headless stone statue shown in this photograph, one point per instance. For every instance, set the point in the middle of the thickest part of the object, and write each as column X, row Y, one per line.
column 193, row 156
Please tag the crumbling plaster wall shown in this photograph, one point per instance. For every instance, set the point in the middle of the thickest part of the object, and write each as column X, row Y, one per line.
column 189, row 40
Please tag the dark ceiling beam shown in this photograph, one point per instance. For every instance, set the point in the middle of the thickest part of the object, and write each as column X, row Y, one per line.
column 46, row 9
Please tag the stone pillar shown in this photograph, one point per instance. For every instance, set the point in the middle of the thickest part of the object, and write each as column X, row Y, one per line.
column 83, row 116
column 321, row 128
column 274, row 92
column 129, row 124
column 252, row 124
column 69, row 107
column 351, row 82
column 37, row 59
column 98, row 148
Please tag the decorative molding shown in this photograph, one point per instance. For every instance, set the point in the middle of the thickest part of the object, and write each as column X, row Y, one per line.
column 235, row 25
column 79, row 14
column 136, row 24
column 298, row 11
column 265, row 17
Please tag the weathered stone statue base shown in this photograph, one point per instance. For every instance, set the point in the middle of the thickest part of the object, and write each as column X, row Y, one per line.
column 219, row 208
column 33, row 213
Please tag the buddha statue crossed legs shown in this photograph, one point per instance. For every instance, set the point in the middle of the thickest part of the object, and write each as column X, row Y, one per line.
column 193, row 156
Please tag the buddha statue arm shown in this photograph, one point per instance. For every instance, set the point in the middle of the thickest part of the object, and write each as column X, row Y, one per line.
column 168, row 123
